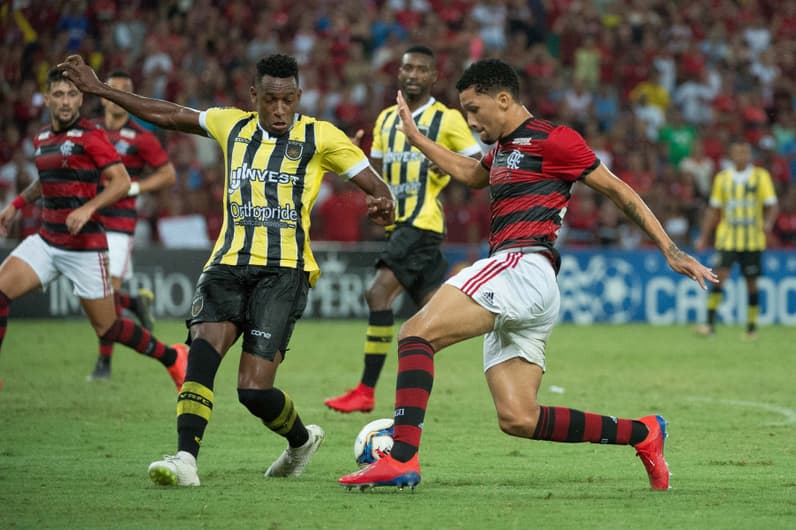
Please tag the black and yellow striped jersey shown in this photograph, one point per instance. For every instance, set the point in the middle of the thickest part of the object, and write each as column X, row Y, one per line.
column 406, row 170
column 271, row 185
column 741, row 195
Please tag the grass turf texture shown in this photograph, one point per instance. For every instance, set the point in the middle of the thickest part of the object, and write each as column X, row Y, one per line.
column 74, row 454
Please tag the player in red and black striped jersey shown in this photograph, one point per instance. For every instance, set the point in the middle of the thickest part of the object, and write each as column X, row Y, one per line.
column 139, row 149
column 72, row 156
column 512, row 297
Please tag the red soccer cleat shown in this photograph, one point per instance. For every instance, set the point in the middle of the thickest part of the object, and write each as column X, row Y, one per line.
column 650, row 451
column 177, row 370
column 360, row 399
column 385, row 472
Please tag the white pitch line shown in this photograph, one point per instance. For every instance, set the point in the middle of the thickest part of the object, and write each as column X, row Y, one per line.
column 790, row 414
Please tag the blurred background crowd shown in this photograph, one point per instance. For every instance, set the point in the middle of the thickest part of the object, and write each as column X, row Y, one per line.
column 657, row 88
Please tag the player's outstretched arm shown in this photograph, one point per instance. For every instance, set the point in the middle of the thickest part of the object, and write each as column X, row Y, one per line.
column 465, row 169
column 627, row 200
column 161, row 113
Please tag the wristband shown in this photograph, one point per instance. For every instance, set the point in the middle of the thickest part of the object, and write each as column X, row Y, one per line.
column 135, row 189
column 19, row 202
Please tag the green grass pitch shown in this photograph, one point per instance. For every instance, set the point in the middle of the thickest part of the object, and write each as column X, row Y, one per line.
column 74, row 454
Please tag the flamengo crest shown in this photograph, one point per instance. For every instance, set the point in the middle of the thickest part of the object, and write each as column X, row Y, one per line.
column 513, row 160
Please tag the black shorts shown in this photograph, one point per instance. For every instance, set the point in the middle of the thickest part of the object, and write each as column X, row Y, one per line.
column 751, row 261
column 414, row 256
column 264, row 302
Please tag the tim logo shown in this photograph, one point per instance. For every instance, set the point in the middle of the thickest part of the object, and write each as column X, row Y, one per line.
column 513, row 160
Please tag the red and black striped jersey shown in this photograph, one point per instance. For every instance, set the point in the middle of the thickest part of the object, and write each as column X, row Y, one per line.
column 70, row 163
column 531, row 172
column 138, row 148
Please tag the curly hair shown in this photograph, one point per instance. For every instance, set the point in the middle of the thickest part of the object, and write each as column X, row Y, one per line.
column 490, row 76
column 277, row 65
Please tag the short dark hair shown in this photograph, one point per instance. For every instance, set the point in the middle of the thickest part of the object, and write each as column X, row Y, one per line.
column 55, row 75
column 490, row 76
column 277, row 65
column 419, row 48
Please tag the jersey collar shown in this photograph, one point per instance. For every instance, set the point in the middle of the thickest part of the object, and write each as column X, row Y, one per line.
column 425, row 105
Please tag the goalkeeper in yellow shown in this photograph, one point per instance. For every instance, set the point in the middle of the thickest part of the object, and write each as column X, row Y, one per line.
column 742, row 211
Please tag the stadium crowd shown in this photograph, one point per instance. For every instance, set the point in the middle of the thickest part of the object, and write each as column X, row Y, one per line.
column 657, row 88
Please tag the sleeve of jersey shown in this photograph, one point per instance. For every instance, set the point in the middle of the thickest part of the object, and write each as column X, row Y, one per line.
column 377, row 147
column 338, row 153
column 457, row 135
column 151, row 151
column 567, row 156
column 716, row 196
column 217, row 122
column 767, row 193
column 101, row 150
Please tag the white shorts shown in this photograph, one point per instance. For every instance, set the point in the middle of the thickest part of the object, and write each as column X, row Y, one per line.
column 120, row 250
column 521, row 290
column 86, row 269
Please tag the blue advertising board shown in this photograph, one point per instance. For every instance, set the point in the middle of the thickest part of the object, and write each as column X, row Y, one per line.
column 597, row 286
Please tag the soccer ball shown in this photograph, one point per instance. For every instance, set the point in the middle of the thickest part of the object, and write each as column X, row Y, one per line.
column 373, row 441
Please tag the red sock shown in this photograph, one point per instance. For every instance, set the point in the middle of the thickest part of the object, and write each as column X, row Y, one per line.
column 560, row 424
column 138, row 338
column 106, row 346
column 412, row 390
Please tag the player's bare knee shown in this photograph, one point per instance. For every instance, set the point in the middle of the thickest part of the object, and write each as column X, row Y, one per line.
column 517, row 422
column 102, row 325
column 415, row 327
column 517, row 426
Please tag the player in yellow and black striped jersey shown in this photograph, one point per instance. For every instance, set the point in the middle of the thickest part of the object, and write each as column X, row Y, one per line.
column 256, row 281
column 742, row 211
column 412, row 260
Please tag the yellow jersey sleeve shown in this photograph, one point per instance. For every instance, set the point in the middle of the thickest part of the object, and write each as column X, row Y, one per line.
column 718, row 193
column 338, row 153
column 768, row 194
column 456, row 135
column 218, row 122
column 379, row 142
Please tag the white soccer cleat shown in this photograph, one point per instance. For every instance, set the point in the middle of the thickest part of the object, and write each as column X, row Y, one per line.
column 293, row 460
column 177, row 470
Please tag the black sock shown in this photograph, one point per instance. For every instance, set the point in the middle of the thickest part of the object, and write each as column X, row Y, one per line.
column 277, row 411
column 378, row 340
column 195, row 402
